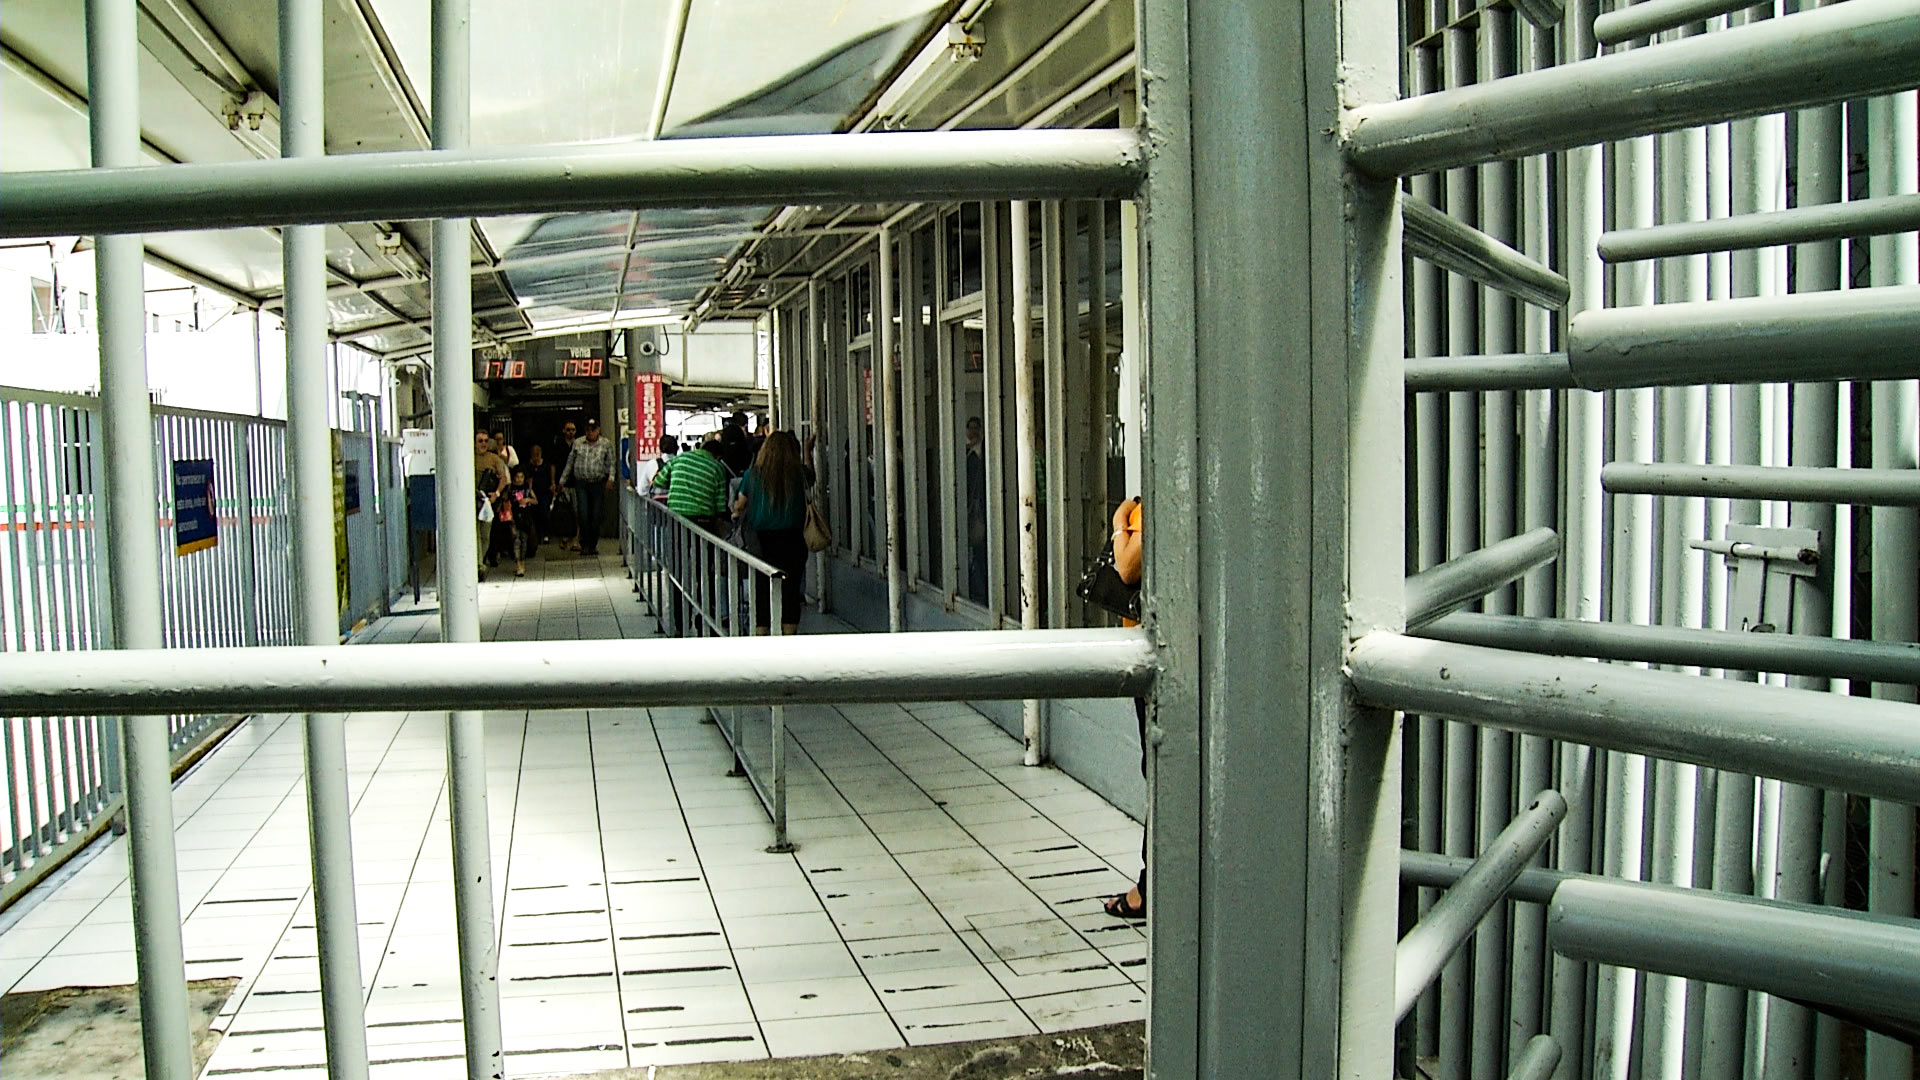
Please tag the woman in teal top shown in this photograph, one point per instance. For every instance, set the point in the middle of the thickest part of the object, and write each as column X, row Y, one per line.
column 772, row 500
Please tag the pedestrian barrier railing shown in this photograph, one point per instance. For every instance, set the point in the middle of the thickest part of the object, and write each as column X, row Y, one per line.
column 701, row 586
column 63, row 774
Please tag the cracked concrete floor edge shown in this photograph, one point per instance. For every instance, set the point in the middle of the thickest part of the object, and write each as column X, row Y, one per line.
column 1111, row 1052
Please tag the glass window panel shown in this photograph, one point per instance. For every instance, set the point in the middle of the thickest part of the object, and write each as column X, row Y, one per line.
column 863, row 388
column 963, row 251
column 968, row 342
column 860, row 301
column 926, row 331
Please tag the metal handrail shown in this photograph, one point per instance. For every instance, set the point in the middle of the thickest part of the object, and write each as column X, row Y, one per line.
column 483, row 182
column 705, row 570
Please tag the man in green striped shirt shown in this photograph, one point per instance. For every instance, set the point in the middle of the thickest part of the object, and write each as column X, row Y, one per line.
column 697, row 489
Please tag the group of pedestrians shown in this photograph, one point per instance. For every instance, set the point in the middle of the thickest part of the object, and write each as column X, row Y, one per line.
column 752, row 489
column 522, row 504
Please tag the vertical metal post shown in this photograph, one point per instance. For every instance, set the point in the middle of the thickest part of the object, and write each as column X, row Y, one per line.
column 1430, row 478
column 947, row 427
column 13, row 772
column 244, row 533
column 259, row 394
column 1702, row 1040
column 776, row 622
column 1058, row 473
column 133, row 546
column 882, row 354
column 1632, row 575
column 1755, row 156
column 1490, row 960
column 1026, row 437
column 816, row 390
column 1893, row 168
column 1540, row 506
column 994, row 286
column 1462, row 792
column 776, row 372
column 310, row 461
column 1682, row 438
column 1274, row 801
column 911, row 425
column 459, row 557
column 1819, row 175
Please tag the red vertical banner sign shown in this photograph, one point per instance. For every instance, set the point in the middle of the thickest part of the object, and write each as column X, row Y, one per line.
column 649, row 415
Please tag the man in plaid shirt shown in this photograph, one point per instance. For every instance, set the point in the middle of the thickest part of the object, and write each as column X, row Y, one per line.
column 590, row 472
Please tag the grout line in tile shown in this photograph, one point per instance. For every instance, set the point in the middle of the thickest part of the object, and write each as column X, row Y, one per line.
column 606, row 890
column 725, row 938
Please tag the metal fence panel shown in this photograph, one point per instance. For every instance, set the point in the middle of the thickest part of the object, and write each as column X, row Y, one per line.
column 62, row 774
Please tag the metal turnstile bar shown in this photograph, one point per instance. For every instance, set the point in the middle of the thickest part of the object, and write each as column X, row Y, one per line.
column 1847, row 744
column 826, row 668
column 1864, row 334
column 1456, row 582
column 1451, row 243
column 1456, row 915
column 1849, row 334
column 1855, row 487
column 1653, row 16
column 1869, row 963
column 1822, row 221
column 1505, row 371
column 1859, row 49
column 1787, row 654
column 1538, row 1061
column 755, row 170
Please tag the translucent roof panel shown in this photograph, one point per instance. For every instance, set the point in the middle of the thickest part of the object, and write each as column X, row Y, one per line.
column 582, row 70
column 588, row 70
column 796, row 66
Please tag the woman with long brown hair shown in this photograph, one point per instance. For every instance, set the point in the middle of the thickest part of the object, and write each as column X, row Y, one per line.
column 773, row 502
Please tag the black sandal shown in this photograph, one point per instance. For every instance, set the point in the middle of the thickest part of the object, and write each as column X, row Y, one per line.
column 1119, row 908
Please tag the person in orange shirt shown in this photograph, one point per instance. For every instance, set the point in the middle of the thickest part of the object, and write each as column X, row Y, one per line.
column 1131, row 904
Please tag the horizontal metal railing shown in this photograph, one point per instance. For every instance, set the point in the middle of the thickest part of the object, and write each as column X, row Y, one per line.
column 1858, row 49
column 1732, row 650
column 823, row 668
column 1858, row 487
column 757, row 170
column 1861, row 745
column 1828, row 955
column 1831, row 956
column 1802, row 224
column 1852, row 334
column 1848, row 334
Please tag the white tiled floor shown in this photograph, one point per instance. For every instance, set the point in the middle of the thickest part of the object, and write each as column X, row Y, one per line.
column 941, row 890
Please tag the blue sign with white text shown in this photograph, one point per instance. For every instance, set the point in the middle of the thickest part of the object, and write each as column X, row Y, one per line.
column 194, row 525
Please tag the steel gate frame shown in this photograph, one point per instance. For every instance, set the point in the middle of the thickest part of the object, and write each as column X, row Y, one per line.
column 1267, row 164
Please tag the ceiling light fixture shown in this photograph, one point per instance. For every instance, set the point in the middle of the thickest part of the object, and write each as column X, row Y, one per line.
column 944, row 59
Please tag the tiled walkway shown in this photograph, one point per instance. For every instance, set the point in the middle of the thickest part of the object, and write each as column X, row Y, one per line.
column 941, row 890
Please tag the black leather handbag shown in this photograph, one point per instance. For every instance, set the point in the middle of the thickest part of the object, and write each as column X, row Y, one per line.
column 1102, row 587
